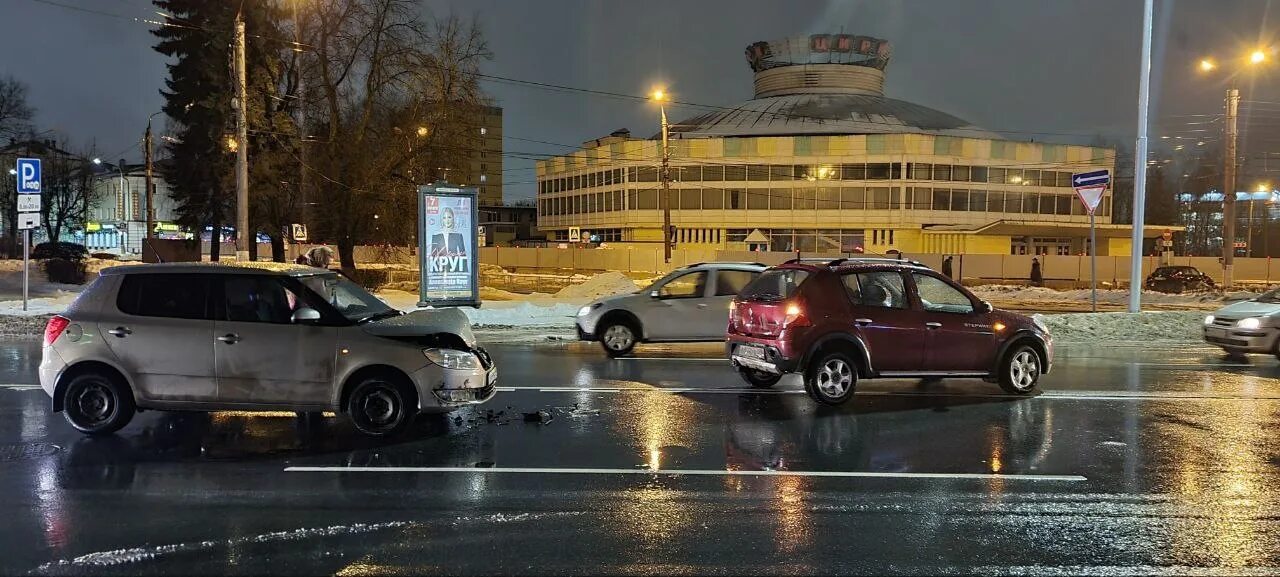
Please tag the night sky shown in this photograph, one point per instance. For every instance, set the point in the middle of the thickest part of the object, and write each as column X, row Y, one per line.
column 1063, row 71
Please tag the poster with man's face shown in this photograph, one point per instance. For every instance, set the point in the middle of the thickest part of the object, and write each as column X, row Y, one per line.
column 448, row 231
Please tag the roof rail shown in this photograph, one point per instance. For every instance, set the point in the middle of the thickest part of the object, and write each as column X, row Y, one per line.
column 691, row 265
column 854, row 259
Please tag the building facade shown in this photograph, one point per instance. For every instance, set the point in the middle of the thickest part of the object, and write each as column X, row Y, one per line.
column 483, row 165
column 117, row 217
column 822, row 161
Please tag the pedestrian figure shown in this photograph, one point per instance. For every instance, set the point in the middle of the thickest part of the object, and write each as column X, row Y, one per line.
column 320, row 256
column 946, row 267
column 1037, row 277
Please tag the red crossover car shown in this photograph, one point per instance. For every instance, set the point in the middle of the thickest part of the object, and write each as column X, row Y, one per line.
column 838, row 321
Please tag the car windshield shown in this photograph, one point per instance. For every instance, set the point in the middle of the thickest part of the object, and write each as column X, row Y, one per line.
column 348, row 298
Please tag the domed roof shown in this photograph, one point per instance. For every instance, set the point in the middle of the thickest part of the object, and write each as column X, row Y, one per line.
column 826, row 114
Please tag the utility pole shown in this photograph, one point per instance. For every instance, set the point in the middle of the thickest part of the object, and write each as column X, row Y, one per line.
column 1229, row 189
column 243, row 234
column 1140, row 164
column 150, row 196
column 299, row 104
column 666, row 189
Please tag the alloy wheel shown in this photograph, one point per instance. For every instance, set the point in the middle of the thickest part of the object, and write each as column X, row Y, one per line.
column 835, row 378
column 1024, row 369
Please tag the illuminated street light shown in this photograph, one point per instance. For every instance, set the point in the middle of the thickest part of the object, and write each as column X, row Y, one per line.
column 97, row 160
column 1207, row 65
column 232, row 144
column 1263, row 187
column 1257, row 56
column 658, row 95
column 423, row 131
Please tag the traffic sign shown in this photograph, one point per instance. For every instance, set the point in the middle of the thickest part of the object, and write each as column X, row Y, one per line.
column 28, row 203
column 28, row 176
column 28, row 220
column 299, row 232
column 1095, row 178
column 575, row 233
column 1090, row 196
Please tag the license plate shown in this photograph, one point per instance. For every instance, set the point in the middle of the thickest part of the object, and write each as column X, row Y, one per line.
column 1216, row 333
column 750, row 352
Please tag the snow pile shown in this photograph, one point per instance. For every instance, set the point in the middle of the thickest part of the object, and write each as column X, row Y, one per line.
column 1111, row 296
column 601, row 285
column 1125, row 327
column 524, row 314
column 38, row 306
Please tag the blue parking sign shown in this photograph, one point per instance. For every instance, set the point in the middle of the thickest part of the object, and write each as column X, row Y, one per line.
column 28, row 176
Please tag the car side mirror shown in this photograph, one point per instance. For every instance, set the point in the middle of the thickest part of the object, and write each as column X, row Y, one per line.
column 986, row 307
column 305, row 315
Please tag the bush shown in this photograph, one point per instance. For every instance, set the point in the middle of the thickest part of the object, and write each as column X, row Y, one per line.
column 63, row 250
column 65, row 271
column 105, row 255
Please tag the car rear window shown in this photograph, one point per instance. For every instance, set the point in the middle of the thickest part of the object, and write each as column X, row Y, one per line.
column 775, row 285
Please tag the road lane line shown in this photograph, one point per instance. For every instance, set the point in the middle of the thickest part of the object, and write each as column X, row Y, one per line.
column 1095, row 395
column 19, row 386
column 1195, row 365
column 689, row 472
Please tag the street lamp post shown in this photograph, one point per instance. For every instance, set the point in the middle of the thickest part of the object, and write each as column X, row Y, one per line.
column 659, row 96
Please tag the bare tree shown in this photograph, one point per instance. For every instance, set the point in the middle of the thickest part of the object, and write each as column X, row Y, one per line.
column 68, row 193
column 15, row 113
column 396, row 92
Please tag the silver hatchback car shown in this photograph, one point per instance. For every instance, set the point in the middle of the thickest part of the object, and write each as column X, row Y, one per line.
column 690, row 304
column 255, row 336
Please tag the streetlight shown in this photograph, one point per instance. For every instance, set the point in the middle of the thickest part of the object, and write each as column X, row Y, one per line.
column 1255, row 58
column 97, row 161
column 660, row 96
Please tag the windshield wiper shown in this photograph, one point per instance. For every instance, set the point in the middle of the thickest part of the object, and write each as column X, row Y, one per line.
column 769, row 297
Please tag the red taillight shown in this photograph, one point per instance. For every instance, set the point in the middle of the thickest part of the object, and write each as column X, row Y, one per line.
column 795, row 316
column 54, row 329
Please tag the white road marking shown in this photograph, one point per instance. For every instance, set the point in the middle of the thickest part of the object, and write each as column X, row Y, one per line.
column 1205, row 366
column 688, row 472
column 19, row 386
column 1089, row 395
column 716, row 360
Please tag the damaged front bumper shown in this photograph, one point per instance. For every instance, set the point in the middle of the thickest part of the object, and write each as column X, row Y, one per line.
column 442, row 389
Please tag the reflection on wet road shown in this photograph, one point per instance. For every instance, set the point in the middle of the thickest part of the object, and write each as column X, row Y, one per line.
column 1130, row 461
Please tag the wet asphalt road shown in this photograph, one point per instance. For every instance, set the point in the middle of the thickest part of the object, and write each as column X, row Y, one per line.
column 1129, row 462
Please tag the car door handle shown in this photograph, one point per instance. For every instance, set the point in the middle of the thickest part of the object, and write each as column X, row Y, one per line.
column 230, row 338
column 933, row 325
column 121, row 332
column 862, row 322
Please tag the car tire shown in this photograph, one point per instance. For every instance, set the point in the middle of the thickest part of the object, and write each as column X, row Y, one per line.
column 619, row 338
column 97, row 403
column 759, row 379
column 380, row 406
column 832, row 379
column 1020, row 370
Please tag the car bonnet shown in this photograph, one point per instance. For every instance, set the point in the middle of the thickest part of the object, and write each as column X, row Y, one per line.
column 424, row 322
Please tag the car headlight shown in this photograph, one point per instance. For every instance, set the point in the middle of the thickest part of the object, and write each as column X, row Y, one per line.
column 452, row 358
column 1208, row 320
column 584, row 311
column 1249, row 323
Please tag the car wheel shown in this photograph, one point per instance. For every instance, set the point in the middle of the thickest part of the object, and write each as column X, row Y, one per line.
column 831, row 380
column 380, row 407
column 1020, row 370
column 759, row 379
column 97, row 404
column 618, row 339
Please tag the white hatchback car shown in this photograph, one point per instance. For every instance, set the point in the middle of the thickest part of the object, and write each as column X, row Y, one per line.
column 1251, row 326
column 255, row 336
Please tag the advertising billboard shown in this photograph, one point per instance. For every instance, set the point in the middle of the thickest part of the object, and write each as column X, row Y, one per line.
column 447, row 243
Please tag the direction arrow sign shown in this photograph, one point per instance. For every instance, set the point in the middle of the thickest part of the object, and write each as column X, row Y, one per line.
column 1097, row 177
column 1091, row 196
column 28, row 176
column 28, row 203
column 28, row 220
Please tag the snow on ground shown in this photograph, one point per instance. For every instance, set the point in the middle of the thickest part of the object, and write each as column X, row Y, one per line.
column 1182, row 326
column 1110, row 296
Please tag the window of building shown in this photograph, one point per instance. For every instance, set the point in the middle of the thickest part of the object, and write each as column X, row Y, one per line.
column 941, row 199
column 780, row 199
column 647, row 199
column 978, row 200
column 878, row 198
column 1013, row 176
column 690, row 174
column 1013, row 202
column 959, row 199
column 827, row 199
column 942, row 172
column 576, row 205
column 1064, row 204
column 921, row 198
column 736, row 199
column 996, row 175
column 1047, row 204
column 1030, row 203
column 690, row 199
column 921, row 171
column 713, row 174
column 757, row 172
column 853, row 172
column 1031, row 177
column 853, row 198
column 712, row 198
column 646, row 174
column 879, row 171
column 599, row 205
column 978, row 174
column 960, row 173
column 757, row 199
column 782, row 172
column 735, row 173
column 805, row 198
column 1062, row 179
